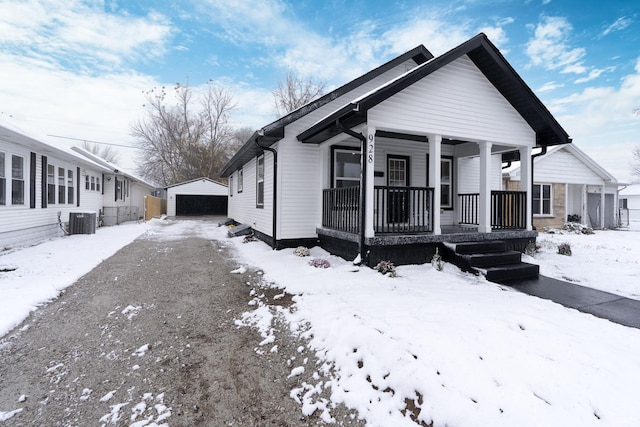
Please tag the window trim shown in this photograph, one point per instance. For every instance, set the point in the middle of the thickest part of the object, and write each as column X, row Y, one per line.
column 70, row 187
column 542, row 214
column 62, row 188
column 451, row 191
column 20, row 180
column 343, row 148
column 260, row 181
column 51, row 184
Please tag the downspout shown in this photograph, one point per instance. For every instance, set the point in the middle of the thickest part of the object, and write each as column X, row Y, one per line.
column 275, row 185
column 363, row 184
column 533, row 157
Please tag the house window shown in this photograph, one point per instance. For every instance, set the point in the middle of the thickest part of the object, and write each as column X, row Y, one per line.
column 541, row 199
column 240, row 181
column 230, row 185
column 346, row 168
column 93, row 183
column 623, row 202
column 97, row 183
column 86, row 182
column 3, row 181
column 260, row 182
column 118, row 187
column 51, row 184
column 17, row 180
column 62, row 190
column 70, row 186
column 446, row 183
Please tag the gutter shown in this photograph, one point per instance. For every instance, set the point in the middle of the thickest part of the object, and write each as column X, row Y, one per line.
column 274, row 244
column 363, row 184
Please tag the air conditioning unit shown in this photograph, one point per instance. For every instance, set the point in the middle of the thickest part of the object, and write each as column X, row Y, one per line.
column 82, row 223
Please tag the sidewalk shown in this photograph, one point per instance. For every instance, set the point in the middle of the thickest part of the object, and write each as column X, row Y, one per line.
column 615, row 308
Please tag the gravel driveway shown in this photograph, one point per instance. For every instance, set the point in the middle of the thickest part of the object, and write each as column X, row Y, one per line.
column 148, row 338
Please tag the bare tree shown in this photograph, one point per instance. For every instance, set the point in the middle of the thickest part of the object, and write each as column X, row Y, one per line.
column 635, row 163
column 187, row 140
column 294, row 92
column 106, row 153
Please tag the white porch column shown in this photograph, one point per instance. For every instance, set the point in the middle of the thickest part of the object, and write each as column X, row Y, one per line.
column 602, row 209
column 435, row 153
column 369, row 157
column 583, row 200
column 484, row 204
column 526, row 182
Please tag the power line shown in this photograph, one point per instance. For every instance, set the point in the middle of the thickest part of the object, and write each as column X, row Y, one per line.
column 94, row 142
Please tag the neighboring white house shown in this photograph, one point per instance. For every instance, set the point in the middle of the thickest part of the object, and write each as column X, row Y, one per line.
column 568, row 185
column 40, row 185
column 629, row 202
column 201, row 196
column 123, row 193
column 407, row 134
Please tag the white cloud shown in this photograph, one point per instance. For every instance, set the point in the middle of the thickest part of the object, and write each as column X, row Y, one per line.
column 620, row 24
column 80, row 33
column 550, row 86
column 600, row 120
column 549, row 48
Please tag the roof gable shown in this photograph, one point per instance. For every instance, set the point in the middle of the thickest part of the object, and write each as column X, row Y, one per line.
column 274, row 131
column 204, row 178
column 488, row 60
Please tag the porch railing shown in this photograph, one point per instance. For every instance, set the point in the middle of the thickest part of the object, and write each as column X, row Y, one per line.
column 508, row 209
column 403, row 209
column 396, row 209
column 341, row 208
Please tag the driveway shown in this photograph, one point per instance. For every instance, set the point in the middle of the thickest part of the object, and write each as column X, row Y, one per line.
column 149, row 337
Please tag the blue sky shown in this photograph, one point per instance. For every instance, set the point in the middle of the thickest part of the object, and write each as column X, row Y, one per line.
column 79, row 68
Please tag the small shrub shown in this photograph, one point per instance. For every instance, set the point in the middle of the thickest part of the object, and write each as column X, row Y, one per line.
column 386, row 267
column 249, row 238
column 564, row 249
column 301, row 251
column 532, row 248
column 319, row 263
column 436, row 261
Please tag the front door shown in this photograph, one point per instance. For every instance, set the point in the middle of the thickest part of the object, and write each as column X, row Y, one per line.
column 398, row 192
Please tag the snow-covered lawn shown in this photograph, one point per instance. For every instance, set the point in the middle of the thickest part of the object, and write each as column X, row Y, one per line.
column 432, row 346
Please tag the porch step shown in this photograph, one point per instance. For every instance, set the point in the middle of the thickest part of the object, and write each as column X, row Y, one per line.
column 490, row 258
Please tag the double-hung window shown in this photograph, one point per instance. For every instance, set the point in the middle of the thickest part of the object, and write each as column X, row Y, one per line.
column 17, row 180
column 346, row 167
column 3, row 181
column 62, row 189
column 541, row 199
column 446, row 183
column 260, row 181
column 51, row 184
column 240, row 179
column 70, row 195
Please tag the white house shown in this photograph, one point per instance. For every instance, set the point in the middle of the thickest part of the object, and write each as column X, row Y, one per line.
column 40, row 185
column 123, row 193
column 383, row 167
column 201, row 196
column 568, row 185
column 629, row 202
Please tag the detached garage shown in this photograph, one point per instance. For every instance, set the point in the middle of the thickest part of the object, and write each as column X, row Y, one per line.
column 202, row 196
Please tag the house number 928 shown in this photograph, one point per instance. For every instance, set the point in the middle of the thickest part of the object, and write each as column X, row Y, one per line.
column 370, row 149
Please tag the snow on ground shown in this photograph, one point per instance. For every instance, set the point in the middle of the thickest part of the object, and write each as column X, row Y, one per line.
column 34, row 275
column 608, row 260
column 426, row 346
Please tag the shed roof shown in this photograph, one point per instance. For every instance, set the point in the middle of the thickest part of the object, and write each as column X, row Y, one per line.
column 489, row 61
column 204, row 178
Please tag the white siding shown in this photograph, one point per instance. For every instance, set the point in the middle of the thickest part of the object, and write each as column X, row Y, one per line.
column 468, row 174
column 563, row 167
column 21, row 224
column 455, row 101
column 200, row 187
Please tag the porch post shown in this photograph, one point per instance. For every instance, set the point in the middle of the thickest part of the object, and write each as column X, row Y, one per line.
column 484, row 204
column 526, row 183
column 602, row 209
column 435, row 153
column 369, row 158
column 583, row 207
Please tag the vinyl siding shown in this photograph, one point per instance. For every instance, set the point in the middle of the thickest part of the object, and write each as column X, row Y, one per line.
column 562, row 166
column 455, row 101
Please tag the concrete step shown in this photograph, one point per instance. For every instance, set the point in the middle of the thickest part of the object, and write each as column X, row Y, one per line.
column 510, row 272
column 488, row 246
column 492, row 259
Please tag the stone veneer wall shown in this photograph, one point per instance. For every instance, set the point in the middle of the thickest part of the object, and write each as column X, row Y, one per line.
column 558, row 209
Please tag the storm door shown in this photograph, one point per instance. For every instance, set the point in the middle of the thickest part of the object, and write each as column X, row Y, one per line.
column 398, row 191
